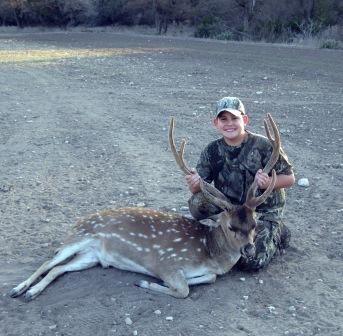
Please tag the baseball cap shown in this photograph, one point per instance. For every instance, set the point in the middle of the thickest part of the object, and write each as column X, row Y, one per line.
column 230, row 104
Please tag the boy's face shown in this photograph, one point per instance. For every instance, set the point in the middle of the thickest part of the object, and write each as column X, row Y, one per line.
column 231, row 127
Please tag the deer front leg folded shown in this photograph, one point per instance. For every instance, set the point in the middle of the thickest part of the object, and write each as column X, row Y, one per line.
column 204, row 279
column 175, row 285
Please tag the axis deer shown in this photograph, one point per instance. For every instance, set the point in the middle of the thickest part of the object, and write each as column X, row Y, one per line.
column 177, row 250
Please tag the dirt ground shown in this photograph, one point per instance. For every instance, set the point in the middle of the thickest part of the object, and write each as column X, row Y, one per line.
column 83, row 127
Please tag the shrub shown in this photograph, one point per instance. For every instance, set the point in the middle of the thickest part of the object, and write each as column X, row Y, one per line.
column 226, row 35
column 209, row 27
column 331, row 44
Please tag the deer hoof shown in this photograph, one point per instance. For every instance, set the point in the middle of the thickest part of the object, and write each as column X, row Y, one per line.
column 14, row 292
column 142, row 284
column 29, row 296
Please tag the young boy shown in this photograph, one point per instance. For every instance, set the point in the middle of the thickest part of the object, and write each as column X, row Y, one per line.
column 232, row 163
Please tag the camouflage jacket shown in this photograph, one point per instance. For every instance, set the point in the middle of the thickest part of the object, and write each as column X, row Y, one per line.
column 232, row 169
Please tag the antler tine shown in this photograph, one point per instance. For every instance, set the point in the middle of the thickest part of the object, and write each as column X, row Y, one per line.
column 267, row 129
column 274, row 140
column 214, row 196
column 253, row 202
column 181, row 151
column 178, row 155
column 270, row 127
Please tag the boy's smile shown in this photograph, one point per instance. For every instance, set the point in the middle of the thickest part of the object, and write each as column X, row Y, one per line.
column 231, row 127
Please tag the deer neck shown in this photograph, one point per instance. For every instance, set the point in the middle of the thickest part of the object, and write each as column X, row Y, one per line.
column 222, row 247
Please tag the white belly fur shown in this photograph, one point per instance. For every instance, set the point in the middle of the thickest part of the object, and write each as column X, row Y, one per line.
column 122, row 262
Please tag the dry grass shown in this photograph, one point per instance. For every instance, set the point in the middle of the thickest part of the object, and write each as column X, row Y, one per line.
column 10, row 56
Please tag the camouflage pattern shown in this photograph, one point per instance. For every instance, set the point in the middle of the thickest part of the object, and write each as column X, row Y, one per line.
column 233, row 169
column 230, row 104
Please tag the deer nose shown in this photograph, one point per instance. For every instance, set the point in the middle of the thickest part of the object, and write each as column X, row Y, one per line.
column 248, row 250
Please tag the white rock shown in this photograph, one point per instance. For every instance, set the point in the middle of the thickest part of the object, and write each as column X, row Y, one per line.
column 304, row 182
column 128, row 321
column 271, row 309
column 242, row 279
column 291, row 309
column 260, row 281
column 184, row 208
column 135, row 332
column 157, row 312
column 141, row 204
column 169, row 318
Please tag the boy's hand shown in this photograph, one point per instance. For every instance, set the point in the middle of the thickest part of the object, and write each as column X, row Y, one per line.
column 262, row 179
column 193, row 181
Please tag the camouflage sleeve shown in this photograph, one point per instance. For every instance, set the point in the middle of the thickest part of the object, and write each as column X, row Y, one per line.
column 204, row 167
column 283, row 165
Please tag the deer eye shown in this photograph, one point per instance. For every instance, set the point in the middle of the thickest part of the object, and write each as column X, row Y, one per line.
column 239, row 233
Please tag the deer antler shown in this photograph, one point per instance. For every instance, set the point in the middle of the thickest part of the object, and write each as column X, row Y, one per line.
column 178, row 154
column 211, row 193
column 214, row 196
column 270, row 125
column 274, row 138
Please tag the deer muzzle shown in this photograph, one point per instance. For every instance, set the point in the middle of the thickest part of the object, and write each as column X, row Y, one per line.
column 248, row 250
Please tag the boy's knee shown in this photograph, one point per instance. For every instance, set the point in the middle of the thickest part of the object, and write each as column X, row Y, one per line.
column 260, row 260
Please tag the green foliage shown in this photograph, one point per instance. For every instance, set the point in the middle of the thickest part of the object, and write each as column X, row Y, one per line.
column 108, row 11
column 209, row 27
column 331, row 44
column 226, row 35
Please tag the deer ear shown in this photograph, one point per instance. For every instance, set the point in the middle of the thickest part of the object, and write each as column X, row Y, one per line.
column 209, row 222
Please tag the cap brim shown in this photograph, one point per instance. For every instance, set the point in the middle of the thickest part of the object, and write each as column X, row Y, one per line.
column 234, row 112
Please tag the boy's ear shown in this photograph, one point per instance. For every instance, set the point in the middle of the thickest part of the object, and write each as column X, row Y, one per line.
column 245, row 120
column 215, row 122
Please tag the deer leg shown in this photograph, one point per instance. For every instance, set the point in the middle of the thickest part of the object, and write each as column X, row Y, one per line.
column 204, row 279
column 175, row 286
column 79, row 263
column 63, row 254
